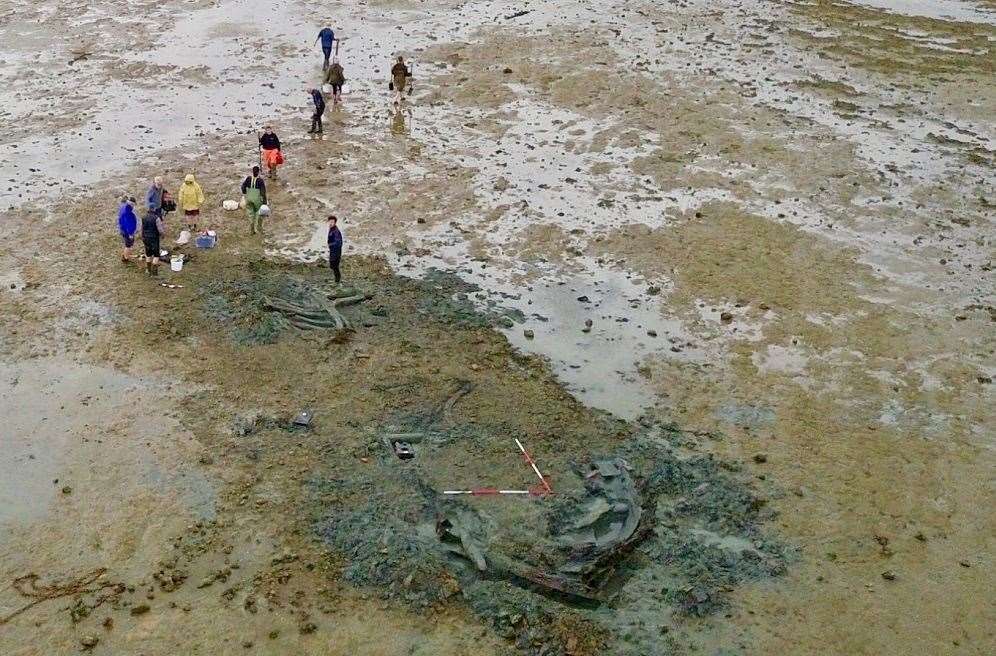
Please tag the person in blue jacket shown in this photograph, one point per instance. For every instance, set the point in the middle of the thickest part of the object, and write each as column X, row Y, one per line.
column 127, row 226
column 327, row 37
column 335, row 248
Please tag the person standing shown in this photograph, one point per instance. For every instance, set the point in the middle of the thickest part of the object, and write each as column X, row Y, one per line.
column 156, row 196
column 272, row 155
column 399, row 79
column 335, row 247
column 316, row 118
column 127, row 226
column 327, row 37
column 335, row 78
column 254, row 192
column 191, row 200
column 152, row 229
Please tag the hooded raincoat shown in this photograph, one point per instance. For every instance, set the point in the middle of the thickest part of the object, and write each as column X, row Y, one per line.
column 191, row 196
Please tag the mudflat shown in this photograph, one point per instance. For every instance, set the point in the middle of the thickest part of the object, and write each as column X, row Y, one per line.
column 722, row 268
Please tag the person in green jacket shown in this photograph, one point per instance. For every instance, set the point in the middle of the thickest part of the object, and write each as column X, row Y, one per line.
column 254, row 193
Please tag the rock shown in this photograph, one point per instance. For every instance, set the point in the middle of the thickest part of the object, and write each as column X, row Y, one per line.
column 528, row 334
column 420, row 220
column 653, row 290
column 89, row 641
column 507, row 71
column 726, row 317
column 274, row 634
column 587, row 326
column 760, row 458
column 140, row 609
column 584, row 299
column 505, row 322
column 652, row 333
column 67, row 490
column 889, row 575
column 307, row 627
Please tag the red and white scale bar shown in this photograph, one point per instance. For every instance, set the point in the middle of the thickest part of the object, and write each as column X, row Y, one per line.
column 487, row 491
column 532, row 463
column 491, row 491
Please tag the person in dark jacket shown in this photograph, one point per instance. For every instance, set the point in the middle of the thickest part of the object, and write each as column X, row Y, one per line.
column 316, row 118
column 335, row 248
column 127, row 226
column 254, row 191
column 327, row 37
column 270, row 151
column 152, row 229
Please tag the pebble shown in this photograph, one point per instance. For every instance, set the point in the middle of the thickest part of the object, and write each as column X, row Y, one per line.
column 889, row 575
column 141, row 609
column 67, row 490
column 726, row 317
column 528, row 334
column 89, row 641
column 760, row 458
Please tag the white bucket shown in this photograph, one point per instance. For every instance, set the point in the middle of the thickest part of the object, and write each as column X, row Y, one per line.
column 176, row 263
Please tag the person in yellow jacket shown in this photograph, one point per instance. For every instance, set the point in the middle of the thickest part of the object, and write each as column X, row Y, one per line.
column 191, row 199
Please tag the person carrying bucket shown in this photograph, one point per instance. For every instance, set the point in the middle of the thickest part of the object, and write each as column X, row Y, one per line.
column 327, row 37
column 399, row 79
column 254, row 193
column 270, row 153
column 191, row 200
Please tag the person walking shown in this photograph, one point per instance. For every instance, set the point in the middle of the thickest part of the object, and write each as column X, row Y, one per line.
column 335, row 78
column 316, row 118
column 327, row 37
column 399, row 79
column 127, row 226
column 152, row 229
column 156, row 196
column 254, row 193
column 335, row 248
column 191, row 200
column 270, row 151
